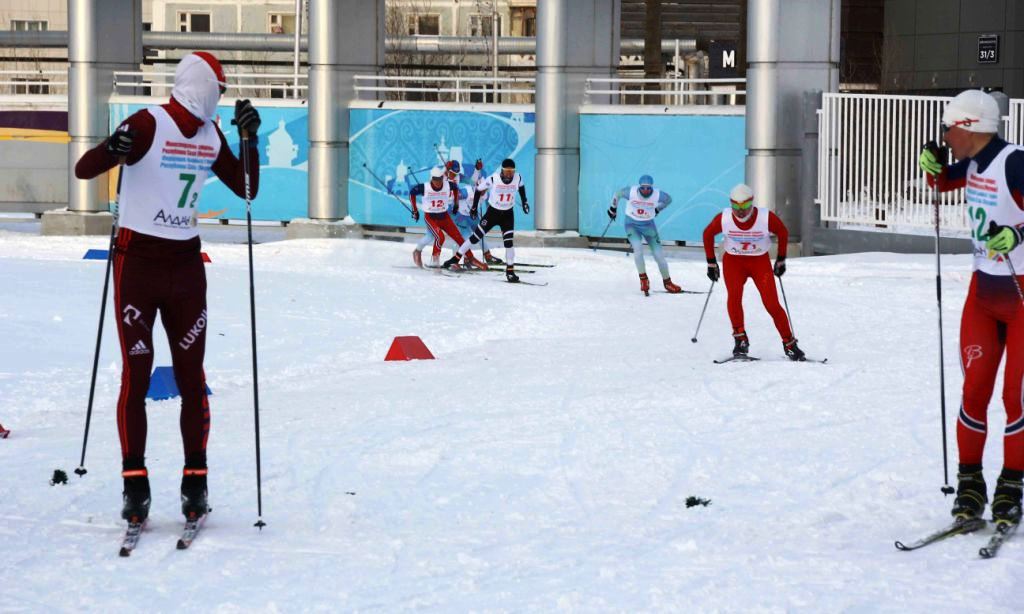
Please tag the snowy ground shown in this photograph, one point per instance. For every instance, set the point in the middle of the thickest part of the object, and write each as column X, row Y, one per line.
column 542, row 463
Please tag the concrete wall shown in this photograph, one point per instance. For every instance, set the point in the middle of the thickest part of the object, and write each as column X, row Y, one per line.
column 932, row 46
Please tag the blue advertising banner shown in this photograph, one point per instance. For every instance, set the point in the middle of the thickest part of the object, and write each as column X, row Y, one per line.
column 391, row 150
column 284, row 156
column 697, row 159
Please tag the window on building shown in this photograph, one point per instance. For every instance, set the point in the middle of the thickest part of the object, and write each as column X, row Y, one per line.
column 481, row 93
column 28, row 25
column 524, row 21
column 480, row 25
column 30, row 85
column 424, row 25
column 193, row 22
column 281, row 23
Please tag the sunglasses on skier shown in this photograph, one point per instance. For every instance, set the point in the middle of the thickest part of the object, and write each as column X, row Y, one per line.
column 743, row 206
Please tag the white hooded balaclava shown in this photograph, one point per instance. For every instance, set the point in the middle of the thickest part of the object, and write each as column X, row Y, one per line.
column 198, row 82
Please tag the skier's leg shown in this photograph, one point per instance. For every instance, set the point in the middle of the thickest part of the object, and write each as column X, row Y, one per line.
column 438, row 234
column 135, row 307
column 636, row 242
column 764, row 279
column 981, row 349
column 734, row 272
column 1013, row 395
column 185, row 320
column 654, row 241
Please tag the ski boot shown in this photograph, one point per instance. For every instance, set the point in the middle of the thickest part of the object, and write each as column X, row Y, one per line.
column 645, row 284
column 193, row 492
column 417, row 258
column 741, row 346
column 473, row 260
column 792, row 350
column 510, row 275
column 136, row 492
column 1006, row 501
column 451, row 263
column 670, row 287
column 971, row 494
column 489, row 259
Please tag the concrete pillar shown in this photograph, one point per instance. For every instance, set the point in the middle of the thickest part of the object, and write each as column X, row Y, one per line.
column 103, row 36
column 570, row 48
column 346, row 38
column 784, row 61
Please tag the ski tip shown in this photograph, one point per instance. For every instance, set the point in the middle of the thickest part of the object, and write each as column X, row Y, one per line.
column 182, row 545
column 125, row 552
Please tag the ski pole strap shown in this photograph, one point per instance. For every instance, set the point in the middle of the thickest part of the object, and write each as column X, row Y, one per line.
column 134, row 473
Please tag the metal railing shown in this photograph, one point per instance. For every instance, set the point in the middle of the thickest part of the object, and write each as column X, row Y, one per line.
column 239, row 84
column 868, row 146
column 447, row 88
column 670, row 91
column 33, row 82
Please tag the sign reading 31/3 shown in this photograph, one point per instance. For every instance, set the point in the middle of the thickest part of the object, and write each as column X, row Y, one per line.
column 988, row 48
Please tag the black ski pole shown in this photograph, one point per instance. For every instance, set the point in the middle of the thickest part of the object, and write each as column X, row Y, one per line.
column 386, row 188
column 81, row 470
column 252, row 321
column 606, row 227
column 792, row 330
column 706, row 301
column 941, row 157
column 438, row 150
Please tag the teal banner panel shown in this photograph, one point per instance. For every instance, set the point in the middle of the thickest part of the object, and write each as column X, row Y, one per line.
column 697, row 159
column 284, row 157
column 391, row 150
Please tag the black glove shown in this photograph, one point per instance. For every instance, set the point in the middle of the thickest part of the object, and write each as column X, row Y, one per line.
column 473, row 212
column 526, row 207
column 712, row 269
column 612, row 212
column 780, row 267
column 479, row 164
column 246, row 117
column 119, row 144
column 415, row 215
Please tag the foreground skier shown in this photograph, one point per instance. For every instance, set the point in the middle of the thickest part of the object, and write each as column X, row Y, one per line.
column 168, row 152
column 993, row 315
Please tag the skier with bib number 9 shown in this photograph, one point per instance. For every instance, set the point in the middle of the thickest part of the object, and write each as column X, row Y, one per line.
column 643, row 203
column 992, row 322
column 748, row 231
column 167, row 152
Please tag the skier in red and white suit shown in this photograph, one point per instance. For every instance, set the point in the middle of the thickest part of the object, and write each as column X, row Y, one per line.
column 748, row 231
column 992, row 171
column 439, row 195
column 168, row 151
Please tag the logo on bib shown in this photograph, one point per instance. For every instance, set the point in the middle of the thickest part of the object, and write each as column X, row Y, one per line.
column 170, row 220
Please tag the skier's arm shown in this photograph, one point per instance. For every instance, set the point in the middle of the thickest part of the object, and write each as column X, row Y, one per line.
column 663, row 201
column 522, row 198
column 952, row 177
column 230, row 169
column 778, row 228
column 713, row 229
column 1015, row 177
column 99, row 160
column 455, row 195
column 417, row 190
column 621, row 193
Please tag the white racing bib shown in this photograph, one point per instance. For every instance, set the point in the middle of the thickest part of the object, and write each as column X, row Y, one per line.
column 989, row 200
column 753, row 242
column 502, row 195
column 160, row 192
column 437, row 201
column 642, row 209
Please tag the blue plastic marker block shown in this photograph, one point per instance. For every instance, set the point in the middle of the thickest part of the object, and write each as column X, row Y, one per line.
column 163, row 386
column 95, row 254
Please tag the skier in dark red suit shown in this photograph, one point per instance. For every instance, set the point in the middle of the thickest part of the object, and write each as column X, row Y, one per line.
column 992, row 171
column 748, row 231
column 168, row 151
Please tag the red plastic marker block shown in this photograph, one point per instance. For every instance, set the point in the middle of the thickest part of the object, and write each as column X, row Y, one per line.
column 4, row 432
column 206, row 257
column 408, row 348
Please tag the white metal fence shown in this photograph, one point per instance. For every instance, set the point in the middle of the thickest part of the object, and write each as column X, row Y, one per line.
column 868, row 147
column 437, row 88
column 239, row 84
